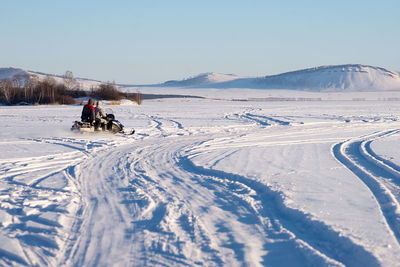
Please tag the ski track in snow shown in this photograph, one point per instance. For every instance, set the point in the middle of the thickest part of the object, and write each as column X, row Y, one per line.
column 143, row 201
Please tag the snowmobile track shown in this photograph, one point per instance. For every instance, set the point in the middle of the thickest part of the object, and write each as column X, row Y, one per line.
column 304, row 231
column 381, row 176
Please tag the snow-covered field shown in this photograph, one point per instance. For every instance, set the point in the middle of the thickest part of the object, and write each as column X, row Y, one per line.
column 203, row 183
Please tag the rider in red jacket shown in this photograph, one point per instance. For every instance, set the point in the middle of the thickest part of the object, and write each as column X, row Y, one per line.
column 88, row 114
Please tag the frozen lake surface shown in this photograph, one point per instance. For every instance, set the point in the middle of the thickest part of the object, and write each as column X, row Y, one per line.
column 203, row 183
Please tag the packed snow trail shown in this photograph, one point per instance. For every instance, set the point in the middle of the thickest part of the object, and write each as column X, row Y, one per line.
column 198, row 208
column 237, row 187
column 162, row 221
column 176, row 213
column 169, row 217
column 101, row 237
column 40, row 201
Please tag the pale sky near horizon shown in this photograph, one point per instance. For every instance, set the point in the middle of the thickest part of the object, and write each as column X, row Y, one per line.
column 153, row 41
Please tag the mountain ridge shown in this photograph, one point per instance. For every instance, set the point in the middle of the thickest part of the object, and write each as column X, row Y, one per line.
column 345, row 77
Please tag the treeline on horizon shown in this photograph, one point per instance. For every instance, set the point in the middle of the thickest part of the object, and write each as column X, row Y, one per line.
column 49, row 91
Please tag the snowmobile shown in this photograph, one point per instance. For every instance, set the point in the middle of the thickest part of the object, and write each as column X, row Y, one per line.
column 111, row 125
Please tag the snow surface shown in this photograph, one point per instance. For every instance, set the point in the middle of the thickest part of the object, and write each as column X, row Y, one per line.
column 204, row 182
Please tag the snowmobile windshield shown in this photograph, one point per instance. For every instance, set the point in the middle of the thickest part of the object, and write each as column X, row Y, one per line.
column 109, row 111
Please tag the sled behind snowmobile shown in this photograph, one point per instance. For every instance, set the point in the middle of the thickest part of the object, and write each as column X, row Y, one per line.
column 82, row 127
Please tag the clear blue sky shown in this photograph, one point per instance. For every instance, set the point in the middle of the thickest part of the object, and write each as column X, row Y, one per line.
column 151, row 41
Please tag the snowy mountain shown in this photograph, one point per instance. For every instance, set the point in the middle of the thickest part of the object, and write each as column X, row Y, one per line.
column 202, row 79
column 352, row 77
column 23, row 75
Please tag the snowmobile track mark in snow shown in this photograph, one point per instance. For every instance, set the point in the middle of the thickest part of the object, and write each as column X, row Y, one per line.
column 54, row 192
column 260, row 120
column 321, row 238
column 379, row 175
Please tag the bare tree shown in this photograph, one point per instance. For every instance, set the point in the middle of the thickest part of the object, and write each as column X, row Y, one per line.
column 15, row 83
column 68, row 75
column 50, row 84
column 6, row 90
column 106, row 91
column 30, row 88
column 70, row 82
column 46, row 90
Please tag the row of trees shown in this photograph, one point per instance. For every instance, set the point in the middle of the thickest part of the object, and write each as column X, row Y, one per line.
column 34, row 91
column 31, row 90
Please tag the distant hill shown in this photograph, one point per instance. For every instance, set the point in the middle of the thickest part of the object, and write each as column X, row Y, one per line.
column 13, row 73
column 209, row 78
column 23, row 75
column 351, row 77
column 337, row 78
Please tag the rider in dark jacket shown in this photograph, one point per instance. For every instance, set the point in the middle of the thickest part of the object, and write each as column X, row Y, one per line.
column 88, row 114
